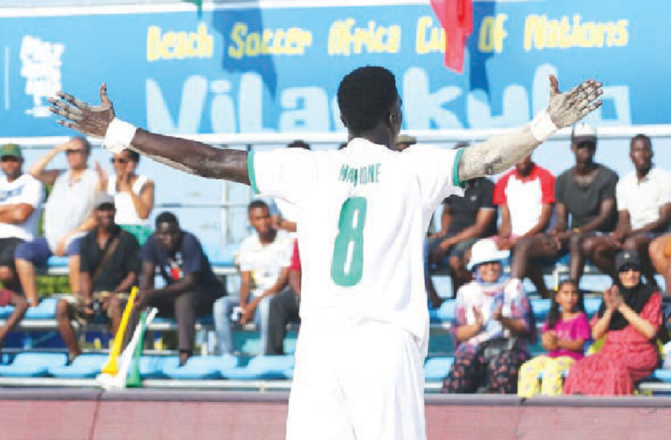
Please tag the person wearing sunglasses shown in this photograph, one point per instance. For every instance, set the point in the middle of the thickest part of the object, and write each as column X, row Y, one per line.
column 68, row 214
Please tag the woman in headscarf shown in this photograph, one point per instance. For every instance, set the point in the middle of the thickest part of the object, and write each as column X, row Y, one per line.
column 629, row 318
column 492, row 327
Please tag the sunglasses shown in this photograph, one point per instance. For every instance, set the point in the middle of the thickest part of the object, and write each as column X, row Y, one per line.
column 120, row 160
column 9, row 159
column 69, row 152
column 628, row 267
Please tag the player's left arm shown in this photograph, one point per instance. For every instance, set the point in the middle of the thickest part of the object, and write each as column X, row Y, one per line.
column 182, row 154
column 500, row 152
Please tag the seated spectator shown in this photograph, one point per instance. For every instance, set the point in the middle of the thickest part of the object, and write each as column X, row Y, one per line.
column 564, row 336
column 133, row 195
column 644, row 212
column 109, row 267
column 492, row 327
column 284, row 306
column 191, row 288
column 67, row 214
column 264, row 261
column 630, row 317
column 586, row 192
column 404, row 141
column 660, row 255
column 21, row 197
column 464, row 221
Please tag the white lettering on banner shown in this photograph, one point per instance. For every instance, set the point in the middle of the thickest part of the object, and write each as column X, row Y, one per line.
column 309, row 109
column 41, row 66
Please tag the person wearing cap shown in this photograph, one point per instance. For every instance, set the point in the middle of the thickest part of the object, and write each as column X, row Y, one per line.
column 67, row 214
column 492, row 327
column 586, row 193
column 404, row 141
column 110, row 265
column 628, row 321
column 644, row 213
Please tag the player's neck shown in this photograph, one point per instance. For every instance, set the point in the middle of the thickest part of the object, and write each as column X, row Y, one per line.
column 268, row 237
column 379, row 135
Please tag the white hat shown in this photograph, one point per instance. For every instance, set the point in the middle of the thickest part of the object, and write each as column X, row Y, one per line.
column 485, row 251
column 583, row 132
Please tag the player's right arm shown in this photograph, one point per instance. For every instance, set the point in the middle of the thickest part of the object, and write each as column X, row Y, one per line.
column 183, row 154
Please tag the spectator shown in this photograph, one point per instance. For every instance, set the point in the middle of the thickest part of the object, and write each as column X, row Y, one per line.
column 660, row 255
column 284, row 306
column 630, row 317
column 133, row 195
column 587, row 193
column 264, row 261
column 110, row 266
column 464, row 221
column 492, row 326
column 404, row 141
column 67, row 214
column 191, row 287
column 644, row 212
column 564, row 336
column 21, row 198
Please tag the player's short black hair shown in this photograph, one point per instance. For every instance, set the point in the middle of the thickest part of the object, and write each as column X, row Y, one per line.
column 299, row 144
column 642, row 137
column 133, row 155
column 166, row 217
column 257, row 204
column 365, row 95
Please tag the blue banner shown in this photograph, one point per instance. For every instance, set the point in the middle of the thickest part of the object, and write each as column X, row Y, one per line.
column 245, row 69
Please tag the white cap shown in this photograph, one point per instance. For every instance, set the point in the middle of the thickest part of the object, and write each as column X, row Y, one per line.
column 583, row 132
column 486, row 251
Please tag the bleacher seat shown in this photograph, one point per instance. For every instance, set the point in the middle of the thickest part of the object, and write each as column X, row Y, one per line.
column 46, row 309
column 445, row 312
column 222, row 257
column 662, row 375
column 33, row 364
column 437, row 368
column 201, row 367
column 151, row 367
column 263, row 367
column 86, row 365
column 541, row 308
column 592, row 304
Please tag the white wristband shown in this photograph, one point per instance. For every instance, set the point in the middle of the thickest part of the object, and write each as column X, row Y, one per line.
column 119, row 136
column 542, row 126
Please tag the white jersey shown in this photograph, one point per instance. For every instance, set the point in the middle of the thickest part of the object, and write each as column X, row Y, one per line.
column 362, row 215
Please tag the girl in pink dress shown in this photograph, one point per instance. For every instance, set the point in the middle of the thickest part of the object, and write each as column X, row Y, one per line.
column 629, row 317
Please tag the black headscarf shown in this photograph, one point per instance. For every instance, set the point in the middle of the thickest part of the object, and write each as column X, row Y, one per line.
column 635, row 297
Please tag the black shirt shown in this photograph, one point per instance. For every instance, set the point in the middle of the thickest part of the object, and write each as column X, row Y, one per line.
column 583, row 203
column 464, row 210
column 123, row 260
column 189, row 258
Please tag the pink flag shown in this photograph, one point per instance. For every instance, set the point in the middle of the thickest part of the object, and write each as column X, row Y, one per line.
column 456, row 18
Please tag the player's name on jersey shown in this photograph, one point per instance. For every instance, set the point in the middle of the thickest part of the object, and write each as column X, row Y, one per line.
column 361, row 175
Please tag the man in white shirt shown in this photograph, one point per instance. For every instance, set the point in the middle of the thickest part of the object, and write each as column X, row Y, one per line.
column 265, row 257
column 363, row 212
column 644, row 212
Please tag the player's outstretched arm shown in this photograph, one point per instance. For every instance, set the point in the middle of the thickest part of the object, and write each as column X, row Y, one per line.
column 186, row 155
column 500, row 152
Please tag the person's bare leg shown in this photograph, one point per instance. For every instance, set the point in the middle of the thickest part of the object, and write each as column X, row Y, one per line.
column 26, row 271
column 601, row 252
column 576, row 264
column 536, row 277
column 63, row 309
column 73, row 273
column 20, row 306
column 116, row 312
column 9, row 279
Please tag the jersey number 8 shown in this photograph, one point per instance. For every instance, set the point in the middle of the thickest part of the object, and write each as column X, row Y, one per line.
column 347, row 263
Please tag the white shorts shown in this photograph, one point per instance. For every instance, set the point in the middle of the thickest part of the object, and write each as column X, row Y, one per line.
column 363, row 382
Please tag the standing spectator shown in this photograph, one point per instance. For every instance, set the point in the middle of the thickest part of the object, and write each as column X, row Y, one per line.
column 264, row 261
column 586, row 192
column 21, row 197
column 492, row 326
column 404, row 141
column 464, row 221
column 564, row 336
column 67, row 214
column 284, row 306
column 110, row 266
column 191, row 286
column 133, row 195
column 630, row 317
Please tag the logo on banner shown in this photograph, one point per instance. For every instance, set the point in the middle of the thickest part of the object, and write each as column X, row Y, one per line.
column 41, row 66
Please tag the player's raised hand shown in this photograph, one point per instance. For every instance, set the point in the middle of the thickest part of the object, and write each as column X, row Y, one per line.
column 569, row 107
column 91, row 120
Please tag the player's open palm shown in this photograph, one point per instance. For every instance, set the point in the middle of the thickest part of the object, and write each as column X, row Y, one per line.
column 91, row 120
column 569, row 107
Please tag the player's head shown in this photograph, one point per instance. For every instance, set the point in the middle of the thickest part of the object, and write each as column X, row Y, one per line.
column 168, row 232
column 259, row 218
column 369, row 101
column 299, row 144
column 640, row 152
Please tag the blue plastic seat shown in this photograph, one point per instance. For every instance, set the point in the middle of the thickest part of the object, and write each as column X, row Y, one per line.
column 437, row 368
column 55, row 261
column 446, row 311
column 85, row 365
column 263, row 367
column 33, row 364
column 151, row 367
column 222, row 256
column 46, row 309
column 541, row 308
column 592, row 304
column 201, row 367
column 662, row 374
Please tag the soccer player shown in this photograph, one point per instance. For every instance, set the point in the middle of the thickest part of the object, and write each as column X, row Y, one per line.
column 362, row 212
